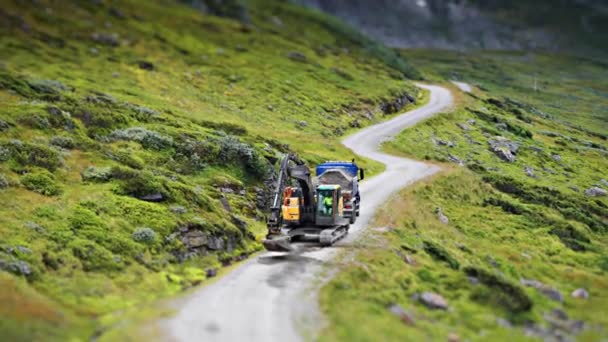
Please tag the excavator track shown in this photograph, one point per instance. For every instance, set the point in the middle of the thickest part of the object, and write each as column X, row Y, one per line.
column 328, row 237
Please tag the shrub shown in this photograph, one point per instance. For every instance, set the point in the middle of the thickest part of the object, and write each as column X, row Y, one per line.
column 148, row 139
column 144, row 235
column 42, row 182
column 63, row 142
column 439, row 253
column 5, row 154
column 26, row 154
column 97, row 174
column 3, row 182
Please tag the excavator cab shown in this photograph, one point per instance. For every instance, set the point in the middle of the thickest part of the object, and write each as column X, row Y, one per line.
column 330, row 206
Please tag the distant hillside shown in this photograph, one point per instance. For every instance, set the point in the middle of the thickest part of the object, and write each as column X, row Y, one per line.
column 564, row 25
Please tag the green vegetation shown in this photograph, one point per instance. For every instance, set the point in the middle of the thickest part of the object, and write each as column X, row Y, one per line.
column 523, row 231
column 136, row 137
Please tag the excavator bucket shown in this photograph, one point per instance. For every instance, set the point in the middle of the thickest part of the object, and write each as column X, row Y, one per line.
column 278, row 244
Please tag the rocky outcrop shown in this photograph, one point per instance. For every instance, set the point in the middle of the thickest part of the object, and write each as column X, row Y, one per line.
column 397, row 104
column 504, row 148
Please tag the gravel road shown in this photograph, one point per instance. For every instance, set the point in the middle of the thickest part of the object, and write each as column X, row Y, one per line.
column 272, row 297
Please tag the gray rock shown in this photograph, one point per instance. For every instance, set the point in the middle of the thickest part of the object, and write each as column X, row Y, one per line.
column 297, row 56
column 471, row 121
column 434, row 301
column 464, row 127
column 211, row 272
column 34, row 226
column 580, row 293
column 556, row 157
column 604, row 182
column 455, row 159
column 242, row 192
column 501, row 126
column 239, row 222
column 441, row 142
column 106, row 38
column 18, row 267
column 178, row 209
column 153, row 197
column 536, row 149
column 574, row 188
column 215, row 243
column 195, row 239
column 441, row 216
column 529, row 171
column 227, row 190
column 226, row 204
column 403, row 315
column 596, row 192
column 302, row 124
column 504, row 148
column 546, row 290
column 4, row 125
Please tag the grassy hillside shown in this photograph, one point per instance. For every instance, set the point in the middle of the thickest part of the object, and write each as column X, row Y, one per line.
column 512, row 229
column 137, row 137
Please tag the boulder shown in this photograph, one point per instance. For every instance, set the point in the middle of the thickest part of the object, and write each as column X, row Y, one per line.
column 596, row 192
column 195, row 239
column 556, row 157
column 580, row 293
column 297, row 56
column 546, row 290
column 211, row 272
column 434, row 301
column 215, row 243
column 504, row 148
column 529, row 171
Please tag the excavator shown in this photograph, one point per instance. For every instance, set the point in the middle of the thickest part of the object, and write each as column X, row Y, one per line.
column 317, row 208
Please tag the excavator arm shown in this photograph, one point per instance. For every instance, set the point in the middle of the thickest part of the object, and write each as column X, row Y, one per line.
column 291, row 167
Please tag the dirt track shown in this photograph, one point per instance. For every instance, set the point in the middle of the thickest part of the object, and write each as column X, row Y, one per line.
column 269, row 297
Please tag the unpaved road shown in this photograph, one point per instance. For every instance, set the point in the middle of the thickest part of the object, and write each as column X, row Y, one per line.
column 271, row 297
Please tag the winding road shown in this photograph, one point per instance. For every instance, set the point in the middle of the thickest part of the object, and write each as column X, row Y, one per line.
column 272, row 297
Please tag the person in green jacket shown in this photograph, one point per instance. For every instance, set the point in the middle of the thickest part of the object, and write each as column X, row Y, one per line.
column 328, row 205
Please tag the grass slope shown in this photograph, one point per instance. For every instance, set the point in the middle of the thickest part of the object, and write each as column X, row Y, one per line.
column 508, row 222
column 134, row 135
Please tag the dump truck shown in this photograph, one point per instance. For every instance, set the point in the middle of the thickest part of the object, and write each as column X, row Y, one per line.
column 318, row 208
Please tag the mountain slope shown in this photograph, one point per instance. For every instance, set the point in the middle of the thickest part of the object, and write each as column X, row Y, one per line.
column 136, row 138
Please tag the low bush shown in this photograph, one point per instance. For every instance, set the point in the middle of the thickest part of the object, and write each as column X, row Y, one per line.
column 26, row 154
column 42, row 182
column 97, row 174
column 144, row 235
column 147, row 138
column 63, row 142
